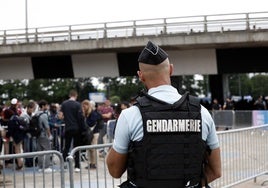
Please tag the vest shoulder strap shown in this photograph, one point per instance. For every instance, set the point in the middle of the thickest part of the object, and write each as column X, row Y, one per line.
column 148, row 103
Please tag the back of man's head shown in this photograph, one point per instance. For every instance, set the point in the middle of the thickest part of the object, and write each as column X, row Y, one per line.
column 42, row 103
column 73, row 93
column 31, row 104
column 155, row 69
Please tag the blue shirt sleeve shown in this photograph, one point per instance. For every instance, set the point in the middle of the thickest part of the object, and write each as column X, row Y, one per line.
column 208, row 129
column 128, row 127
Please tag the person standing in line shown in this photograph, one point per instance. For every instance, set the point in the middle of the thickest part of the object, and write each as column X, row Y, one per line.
column 54, row 123
column 29, row 141
column 14, row 109
column 228, row 104
column 260, row 104
column 217, row 116
column 228, row 116
column 92, row 119
column 43, row 141
column 156, row 155
column 74, row 123
column 14, row 106
column 215, row 105
column 107, row 114
column 16, row 132
column 3, row 123
column 6, row 137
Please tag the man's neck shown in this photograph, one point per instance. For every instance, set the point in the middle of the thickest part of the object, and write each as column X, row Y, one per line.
column 72, row 98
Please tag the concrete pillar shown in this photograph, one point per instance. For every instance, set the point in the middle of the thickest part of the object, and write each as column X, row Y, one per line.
column 225, row 84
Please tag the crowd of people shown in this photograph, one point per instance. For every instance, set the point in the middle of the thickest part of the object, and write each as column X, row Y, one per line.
column 61, row 128
column 243, row 104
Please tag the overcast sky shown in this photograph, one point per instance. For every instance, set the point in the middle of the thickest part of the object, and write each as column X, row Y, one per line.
column 68, row 12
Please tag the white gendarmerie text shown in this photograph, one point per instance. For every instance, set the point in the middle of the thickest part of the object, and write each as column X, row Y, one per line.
column 173, row 125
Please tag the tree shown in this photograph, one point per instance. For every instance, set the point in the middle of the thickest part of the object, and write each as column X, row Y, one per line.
column 121, row 88
column 84, row 87
column 240, row 84
column 35, row 90
column 124, row 87
column 203, row 85
column 12, row 88
column 52, row 90
column 185, row 83
column 259, row 85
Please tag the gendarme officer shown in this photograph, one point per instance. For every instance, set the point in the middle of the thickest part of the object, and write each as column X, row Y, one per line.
column 166, row 139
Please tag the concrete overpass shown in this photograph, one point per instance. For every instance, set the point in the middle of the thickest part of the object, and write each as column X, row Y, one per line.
column 208, row 44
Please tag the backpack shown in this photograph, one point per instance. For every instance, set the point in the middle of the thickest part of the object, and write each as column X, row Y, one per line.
column 19, row 123
column 34, row 128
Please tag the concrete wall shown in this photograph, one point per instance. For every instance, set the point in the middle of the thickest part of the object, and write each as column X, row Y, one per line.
column 16, row 68
column 189, row 62
column 186, row 62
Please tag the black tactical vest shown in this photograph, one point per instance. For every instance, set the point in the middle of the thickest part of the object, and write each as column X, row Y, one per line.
column 171, row 153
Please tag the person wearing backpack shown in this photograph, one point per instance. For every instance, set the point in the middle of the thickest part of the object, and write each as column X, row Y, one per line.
column 29, row 142
column 43, row 141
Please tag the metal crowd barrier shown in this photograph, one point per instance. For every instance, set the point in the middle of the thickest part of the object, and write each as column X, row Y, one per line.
column 235, row 119
column 32, row 176
column 244, row 155
column 97, row 178
column 110, row 130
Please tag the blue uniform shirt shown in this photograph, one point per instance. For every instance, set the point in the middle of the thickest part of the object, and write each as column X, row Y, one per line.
column 129, row 125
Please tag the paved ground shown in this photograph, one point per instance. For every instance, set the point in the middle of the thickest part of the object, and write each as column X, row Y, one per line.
column 260, row 182
column 25, row 179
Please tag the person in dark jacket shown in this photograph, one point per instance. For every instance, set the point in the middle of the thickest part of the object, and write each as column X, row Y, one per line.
column 74, row 123
column 17, row 131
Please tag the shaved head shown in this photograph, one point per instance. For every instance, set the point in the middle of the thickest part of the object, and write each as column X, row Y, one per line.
column 153, row 75
column 162, row 67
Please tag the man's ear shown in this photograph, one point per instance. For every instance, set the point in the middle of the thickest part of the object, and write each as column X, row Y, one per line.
column 140, row 76
column 171, row 68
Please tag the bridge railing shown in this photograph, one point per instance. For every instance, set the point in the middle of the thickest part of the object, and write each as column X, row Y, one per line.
column 135, row 28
